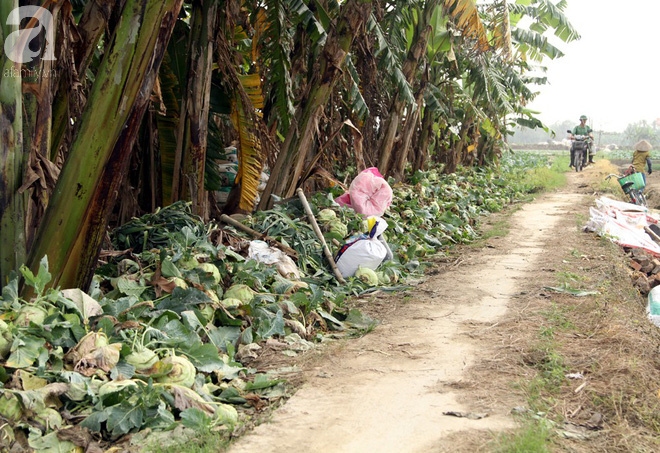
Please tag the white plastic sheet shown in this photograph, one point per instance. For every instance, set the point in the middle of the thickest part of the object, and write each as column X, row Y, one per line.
column 261, row 252
column 623, row 223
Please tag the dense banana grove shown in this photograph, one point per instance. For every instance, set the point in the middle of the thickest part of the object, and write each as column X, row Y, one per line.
column 125, row 117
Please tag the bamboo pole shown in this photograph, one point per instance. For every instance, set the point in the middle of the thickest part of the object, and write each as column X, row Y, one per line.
column 317, row 230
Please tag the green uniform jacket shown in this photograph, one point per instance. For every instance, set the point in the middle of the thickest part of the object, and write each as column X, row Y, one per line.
column 579, row 130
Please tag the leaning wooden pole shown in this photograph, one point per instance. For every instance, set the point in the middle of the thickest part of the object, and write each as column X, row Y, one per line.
column 317, row 230
column 255, row 234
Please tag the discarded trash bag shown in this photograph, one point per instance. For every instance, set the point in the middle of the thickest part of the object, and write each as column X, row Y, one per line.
column 622, row 223
column 653, row 307
column 366, row 250
column 369, row 193
column 261, row 252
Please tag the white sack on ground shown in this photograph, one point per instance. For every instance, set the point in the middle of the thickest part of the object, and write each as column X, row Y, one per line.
column 365, row 250
column 623, row 223
column 261, row 252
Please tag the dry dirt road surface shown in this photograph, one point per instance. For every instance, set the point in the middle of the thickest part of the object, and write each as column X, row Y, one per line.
column 389, row 390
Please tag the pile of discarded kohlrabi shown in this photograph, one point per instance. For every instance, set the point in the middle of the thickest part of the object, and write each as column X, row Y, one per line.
column 177, row 311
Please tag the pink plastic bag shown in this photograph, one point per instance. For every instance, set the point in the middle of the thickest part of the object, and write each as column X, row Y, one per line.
column 344, row 200
column 369, row 193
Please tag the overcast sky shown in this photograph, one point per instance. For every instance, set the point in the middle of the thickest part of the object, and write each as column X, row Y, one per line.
column 612, row 73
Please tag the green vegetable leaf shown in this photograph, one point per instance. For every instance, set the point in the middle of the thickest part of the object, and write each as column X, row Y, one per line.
column 183, row 299
column 93, row 422
column 124, row 417
column 123, row 370
column 130, row 287
column 24, row 351
column 168, row 269
column 77, row 300
column 359, row 320
column 232, row 396
column 195, row 418
column 159, row 418
column 205, row 357
column 10, row 290
column 262, row 381
column 178, row 335
column 270, row 324
column 39, row 281
column 220, row 336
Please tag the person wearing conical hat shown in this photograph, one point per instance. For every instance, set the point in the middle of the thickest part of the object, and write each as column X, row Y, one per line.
column 641, row 156
column 583, row 129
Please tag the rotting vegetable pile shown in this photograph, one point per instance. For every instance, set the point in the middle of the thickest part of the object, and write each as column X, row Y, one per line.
column 176, row 312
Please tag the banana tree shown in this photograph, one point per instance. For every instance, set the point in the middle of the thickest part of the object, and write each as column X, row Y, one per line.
column 193, row 125
column 74, row 224
column 300, row 139
column 13, row 203
column 416, row 51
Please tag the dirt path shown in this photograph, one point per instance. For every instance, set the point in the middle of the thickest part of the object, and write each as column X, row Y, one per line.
column 387, row 391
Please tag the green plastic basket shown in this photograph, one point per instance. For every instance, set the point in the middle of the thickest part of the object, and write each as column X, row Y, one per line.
column 637, row 180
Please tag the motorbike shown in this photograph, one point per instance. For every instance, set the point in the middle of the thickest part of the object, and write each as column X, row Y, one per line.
column 632, row 183
column 580, row 150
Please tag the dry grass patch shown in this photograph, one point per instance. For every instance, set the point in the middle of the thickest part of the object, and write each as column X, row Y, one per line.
column 607, row 339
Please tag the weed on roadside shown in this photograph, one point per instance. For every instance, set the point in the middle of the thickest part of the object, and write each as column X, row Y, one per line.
column 607, row 343
column 205, row 441
column 544, row 179
column 533, row 437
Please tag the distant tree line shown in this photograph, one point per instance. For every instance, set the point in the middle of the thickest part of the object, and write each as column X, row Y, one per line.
column 634, row 132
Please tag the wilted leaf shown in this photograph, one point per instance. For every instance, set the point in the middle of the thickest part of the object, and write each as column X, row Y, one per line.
column 104, row 358
column 86, row 306
column 359, row 320
column 29, row 381
column 185, row 398
column 50, row 443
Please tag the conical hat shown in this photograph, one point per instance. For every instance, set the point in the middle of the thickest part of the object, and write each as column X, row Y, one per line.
column 643, row 145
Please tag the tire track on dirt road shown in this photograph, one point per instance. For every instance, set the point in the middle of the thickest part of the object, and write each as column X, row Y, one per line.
column 387, row 391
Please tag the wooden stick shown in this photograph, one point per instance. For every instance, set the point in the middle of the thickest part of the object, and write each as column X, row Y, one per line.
column 651, row 233
column 255, row 234
column 317, row 230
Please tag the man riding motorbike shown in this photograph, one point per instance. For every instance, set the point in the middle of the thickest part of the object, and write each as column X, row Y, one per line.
column 583, row 129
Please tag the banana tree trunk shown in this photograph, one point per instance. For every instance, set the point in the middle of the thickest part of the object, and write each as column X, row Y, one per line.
column 301, row 135
column 409, row 129
column 91, row 27
column 195, row 124
column 77, row 215
column 404, row 147
column 422, row 151
column 12, row 157
column 454, row 155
